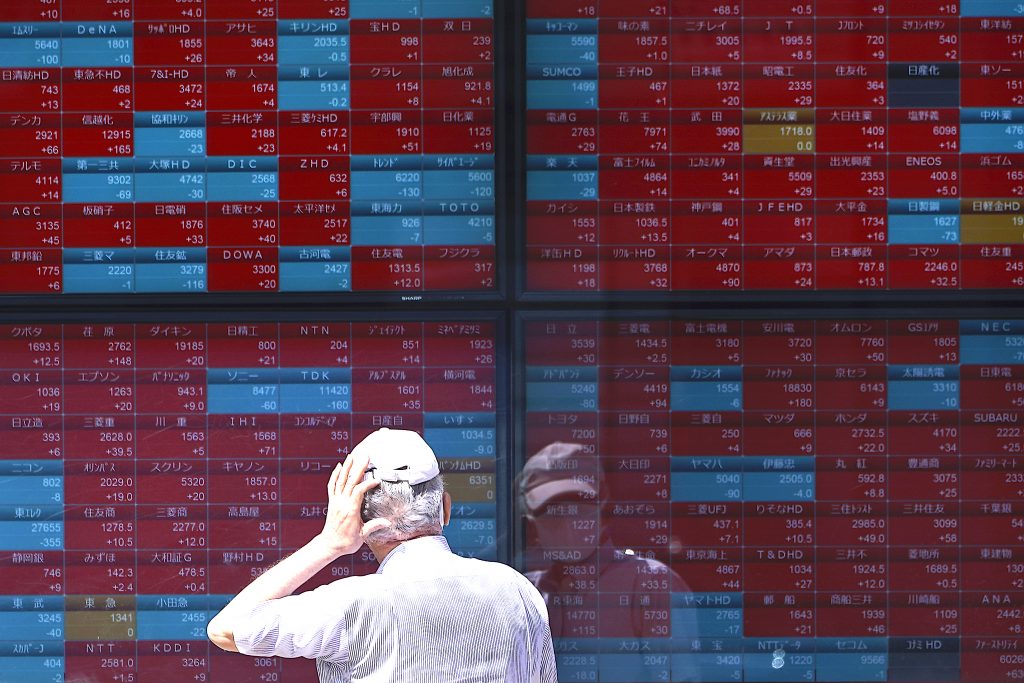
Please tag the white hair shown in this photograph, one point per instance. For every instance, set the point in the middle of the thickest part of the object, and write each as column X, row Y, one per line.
column 413, row 510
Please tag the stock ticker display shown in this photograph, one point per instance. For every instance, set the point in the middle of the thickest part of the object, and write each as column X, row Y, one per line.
column 150, row 471
column 246, row 145
column 777, row 500
column 678, row 145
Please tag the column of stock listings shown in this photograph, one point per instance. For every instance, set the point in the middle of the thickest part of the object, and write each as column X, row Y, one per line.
column 151, row 470
column 246, row 145
column 774, row 145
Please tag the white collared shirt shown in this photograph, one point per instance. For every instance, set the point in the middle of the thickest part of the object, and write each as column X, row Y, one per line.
column 426, row 615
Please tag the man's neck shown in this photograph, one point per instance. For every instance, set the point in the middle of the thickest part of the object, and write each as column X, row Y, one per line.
column 382, row 550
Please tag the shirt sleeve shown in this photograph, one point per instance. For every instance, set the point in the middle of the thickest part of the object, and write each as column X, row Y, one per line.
column 542, row 662
column 310, row 625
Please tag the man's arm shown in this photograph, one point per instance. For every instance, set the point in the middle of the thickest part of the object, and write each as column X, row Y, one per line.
column 342, row 535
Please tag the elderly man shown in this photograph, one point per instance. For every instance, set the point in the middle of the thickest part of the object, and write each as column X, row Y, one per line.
column 426, row 615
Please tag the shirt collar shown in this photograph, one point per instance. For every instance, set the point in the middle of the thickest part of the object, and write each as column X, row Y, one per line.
column 410, row 553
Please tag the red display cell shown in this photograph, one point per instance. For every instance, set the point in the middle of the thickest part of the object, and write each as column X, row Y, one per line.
column 778, row 433
column 97, row 90
column 387, row 87
column 163, row 44
column 451, row 87
column 172, row 482
column 985, row 86
column 39, row 90
column 465, row 344
column 243, row 436
column 175, row 526
column 180, row 88
column 31, row 393
column 155, row 10
column 779, row 221
column 852, row 267
column 110, row 571
column 103, row 527
column 794, row 617
column 991, row 571
column 39, row 574
column 984, row 40
column 706, row 222
column 710, row 433
column 715, row 525
column 707, row 86
column 30, row 270
column 388, row 268
column 850, row 222
column 919, row 40
column 847, row 175
column 923, row 433
column 396, row 41
column 778, row 342
column 561, row 133
column 648, row 436
column 924, row 267
column 170, row 346
column 924, row 341
column 991, row 175
column 562, row 343
column 769, row 40
column 707, row 177
column 31, row 346
column 362, row 425
column 932, row 619
column 914, row 479
column 249, row 268
column 696, row 132
column 96, row 10
column 854, row 568
column 447, row 132
column 865, row 615
column 858, row 434
column 472, row 391
column 781, row 267
column 846, row 130
column 463, row 41
column 314, row 178
column 241, row 133
column 170, row 225
column 387, row 390
column 721, row 574
column 860, row 524
column 320, row 223
column 313, row 9
column 706, row 343
column 717, row 42
column 562, row 9
column 314, row 435
column 112, row 226
column 243, row 9
column 706, row 267
column 635, row 268
column 31, row 180
column 633, row 86
column 175, row 573
column 314, row 132
column 850, row 40
column 790, row 85
column 171, row 436
column 387, row 132
column 794, row 180
column 31, row 136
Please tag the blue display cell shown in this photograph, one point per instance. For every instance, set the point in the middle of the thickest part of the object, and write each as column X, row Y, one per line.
column 99, row 277
column 458, row 231
column 250, row 186
column 327, row 47
column 37, row 52
column 253, row 398
column 172, row 624
column 30, row 489
column 707, row 395
column 97, row 44
column 313, row 95
column 170, row 187
column 842, row 668
column 706, row 486
column 83, row 188
column 924, row 229
column 316, row 396
column 168, row 143
column 401, row 185
column 445, row 9
column 561, row 56
column 313, row 276
column 385, row 9
column 561, row 94
column 992, row 138
column 31, row 535
column 991, row 349
column 991, row 8
column 31, row 669
column 778, row 486
column 561, row 185
column 462, row 442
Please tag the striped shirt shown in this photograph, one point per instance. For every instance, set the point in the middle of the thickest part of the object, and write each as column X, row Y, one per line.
column 426, row 615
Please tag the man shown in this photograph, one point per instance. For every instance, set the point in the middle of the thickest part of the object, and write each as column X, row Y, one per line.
column 426, row 615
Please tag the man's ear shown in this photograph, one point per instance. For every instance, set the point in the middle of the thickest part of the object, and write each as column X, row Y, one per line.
column 446, row 508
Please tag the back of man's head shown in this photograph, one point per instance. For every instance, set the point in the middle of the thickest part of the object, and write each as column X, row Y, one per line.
column 411, row 491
